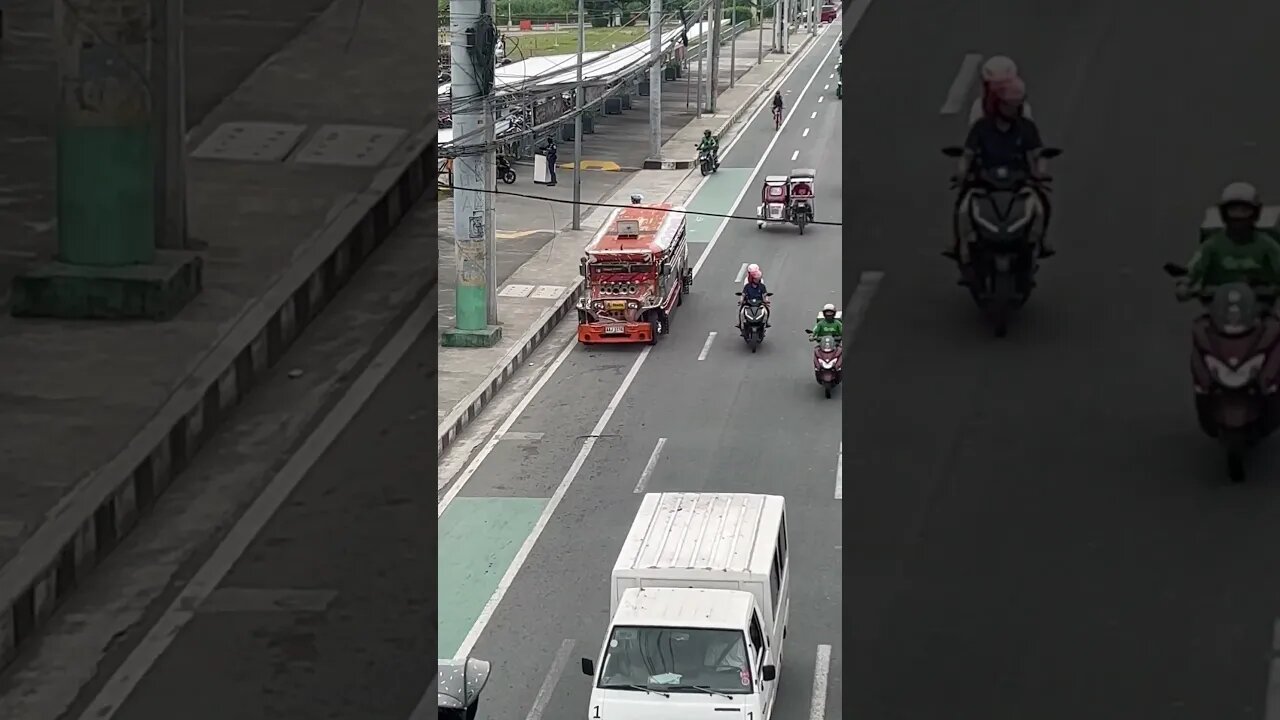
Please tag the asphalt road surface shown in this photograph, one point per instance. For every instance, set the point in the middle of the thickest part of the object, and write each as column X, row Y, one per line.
column 732, row 421
column 1035, row 526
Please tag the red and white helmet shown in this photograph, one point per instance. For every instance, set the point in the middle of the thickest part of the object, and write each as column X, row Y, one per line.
column 754, row 273
column 998, row 69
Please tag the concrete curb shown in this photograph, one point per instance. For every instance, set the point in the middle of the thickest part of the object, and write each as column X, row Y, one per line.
column 652, row 164
column 106, row 505
column 470, row 407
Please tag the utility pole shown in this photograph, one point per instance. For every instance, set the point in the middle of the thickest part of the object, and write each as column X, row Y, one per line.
column 713, row 77
column 697, row 101
column 733, row 42
column 490, row 211
column 655, row 79
column 169, row 118
column 785, row 6
column 108, row 136
column 709, row 41
column 472, row 87
column 760, row 31
column 577, row 121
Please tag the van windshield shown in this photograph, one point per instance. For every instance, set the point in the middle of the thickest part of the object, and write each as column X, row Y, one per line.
column 691, row 660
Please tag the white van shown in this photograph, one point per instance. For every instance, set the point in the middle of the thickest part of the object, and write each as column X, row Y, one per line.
column 699, row 599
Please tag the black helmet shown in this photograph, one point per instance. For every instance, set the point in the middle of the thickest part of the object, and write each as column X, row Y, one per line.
column 706, row 133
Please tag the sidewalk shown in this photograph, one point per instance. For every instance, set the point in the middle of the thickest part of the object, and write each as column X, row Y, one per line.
column 99, row 417
column 539, row 291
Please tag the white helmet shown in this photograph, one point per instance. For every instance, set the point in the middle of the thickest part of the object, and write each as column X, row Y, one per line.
column 1241, row 193
column 829, row 308
column 998, row 68
column 754, row 273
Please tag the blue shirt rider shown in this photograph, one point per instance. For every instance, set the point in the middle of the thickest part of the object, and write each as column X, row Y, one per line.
column 754, row 287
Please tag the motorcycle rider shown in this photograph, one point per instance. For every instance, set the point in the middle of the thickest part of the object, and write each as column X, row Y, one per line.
column 754, row 288
column 996, row 71
column 1006, row 139
column 711, row 146
column 828, row 324
column 1237, row 253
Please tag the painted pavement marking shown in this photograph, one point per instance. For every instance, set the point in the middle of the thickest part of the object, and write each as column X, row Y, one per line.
column 549, row 683
column 650, row 466
column 821, row 675
column 706, row 346
column 959, row 90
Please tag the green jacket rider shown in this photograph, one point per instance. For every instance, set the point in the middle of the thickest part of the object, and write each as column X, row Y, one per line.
column 828, row 324
column 1238, row 253
column 708, row 142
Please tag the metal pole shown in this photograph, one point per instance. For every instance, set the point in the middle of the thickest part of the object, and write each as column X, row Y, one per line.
column 470, row 171
column 697, row 105
column 760, row 37
column 168, row 107
column 786, row 26
column 733, row 42
column 713, row 56
column 655, row 79
column 577, row 122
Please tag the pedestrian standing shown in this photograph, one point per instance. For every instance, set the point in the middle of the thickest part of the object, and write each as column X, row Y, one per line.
column 549, row 150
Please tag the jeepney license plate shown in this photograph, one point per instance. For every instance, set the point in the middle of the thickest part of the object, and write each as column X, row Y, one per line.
column 616, row 304
column 615, row 329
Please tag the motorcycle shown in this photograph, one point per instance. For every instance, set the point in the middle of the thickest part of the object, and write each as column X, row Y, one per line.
column 753, row 318
column 828, row 362
column 1235, row 368
column 706, row 164
column 1002, row 264
column 505, row 172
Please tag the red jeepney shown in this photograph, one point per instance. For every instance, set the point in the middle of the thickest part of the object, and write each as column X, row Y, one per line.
column 637, row 271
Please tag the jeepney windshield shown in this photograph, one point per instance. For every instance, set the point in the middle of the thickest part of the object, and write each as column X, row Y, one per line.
column 670, row 659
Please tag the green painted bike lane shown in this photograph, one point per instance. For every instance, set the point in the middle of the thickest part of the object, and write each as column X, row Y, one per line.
column 479, row 537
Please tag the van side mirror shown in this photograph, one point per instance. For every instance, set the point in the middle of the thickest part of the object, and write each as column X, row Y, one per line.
column 582, row 267
column 588, row 667
column 768, row 673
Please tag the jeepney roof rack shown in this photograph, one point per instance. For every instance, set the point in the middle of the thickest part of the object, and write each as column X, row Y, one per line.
column 775, row 178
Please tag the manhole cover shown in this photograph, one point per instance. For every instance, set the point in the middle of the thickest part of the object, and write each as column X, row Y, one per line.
column 350, row 145
column 250, row 142
column 548, row 292
column 515, row 291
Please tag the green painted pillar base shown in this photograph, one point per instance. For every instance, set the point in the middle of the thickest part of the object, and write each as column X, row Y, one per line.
column 487, row 336
column 105, row 199
column 156, row 291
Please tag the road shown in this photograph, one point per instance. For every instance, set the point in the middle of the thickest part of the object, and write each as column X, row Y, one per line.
column 325, row 611
column 549, row 507
column 1038, row 528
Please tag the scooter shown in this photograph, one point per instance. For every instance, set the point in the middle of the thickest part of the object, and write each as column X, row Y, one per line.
column 753, row 318
column 1235, row 368
column 1002, row 266
column 706, row 165
column 505, row 172
column 828, row 362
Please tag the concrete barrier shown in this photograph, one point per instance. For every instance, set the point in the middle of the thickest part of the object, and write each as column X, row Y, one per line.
column 106, row 505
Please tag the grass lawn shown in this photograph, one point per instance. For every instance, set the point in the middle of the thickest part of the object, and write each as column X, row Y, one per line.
column 525, row 46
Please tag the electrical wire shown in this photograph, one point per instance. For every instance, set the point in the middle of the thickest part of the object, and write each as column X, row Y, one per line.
column 699, row 213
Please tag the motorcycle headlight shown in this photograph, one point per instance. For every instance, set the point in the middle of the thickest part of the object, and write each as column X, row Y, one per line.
column 1238, row 377
column 827, row 364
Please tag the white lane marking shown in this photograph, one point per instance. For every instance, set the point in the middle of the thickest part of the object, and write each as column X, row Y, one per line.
column 516, row 412
column 826, row 87
column 840, row 473
column 549, row 683
column 805, row 133
column 820, row 98
column 742, row 273
column 525, row 436
column 831, row 76
column 650, row 466
column 795, row 155
column 821, row 673
column 769, row 148
column 183, row 608
column 856, row 310
column 486, row 613
column 706, row 346
column 813, row 115
column 1272, row 706
column 959, row 90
